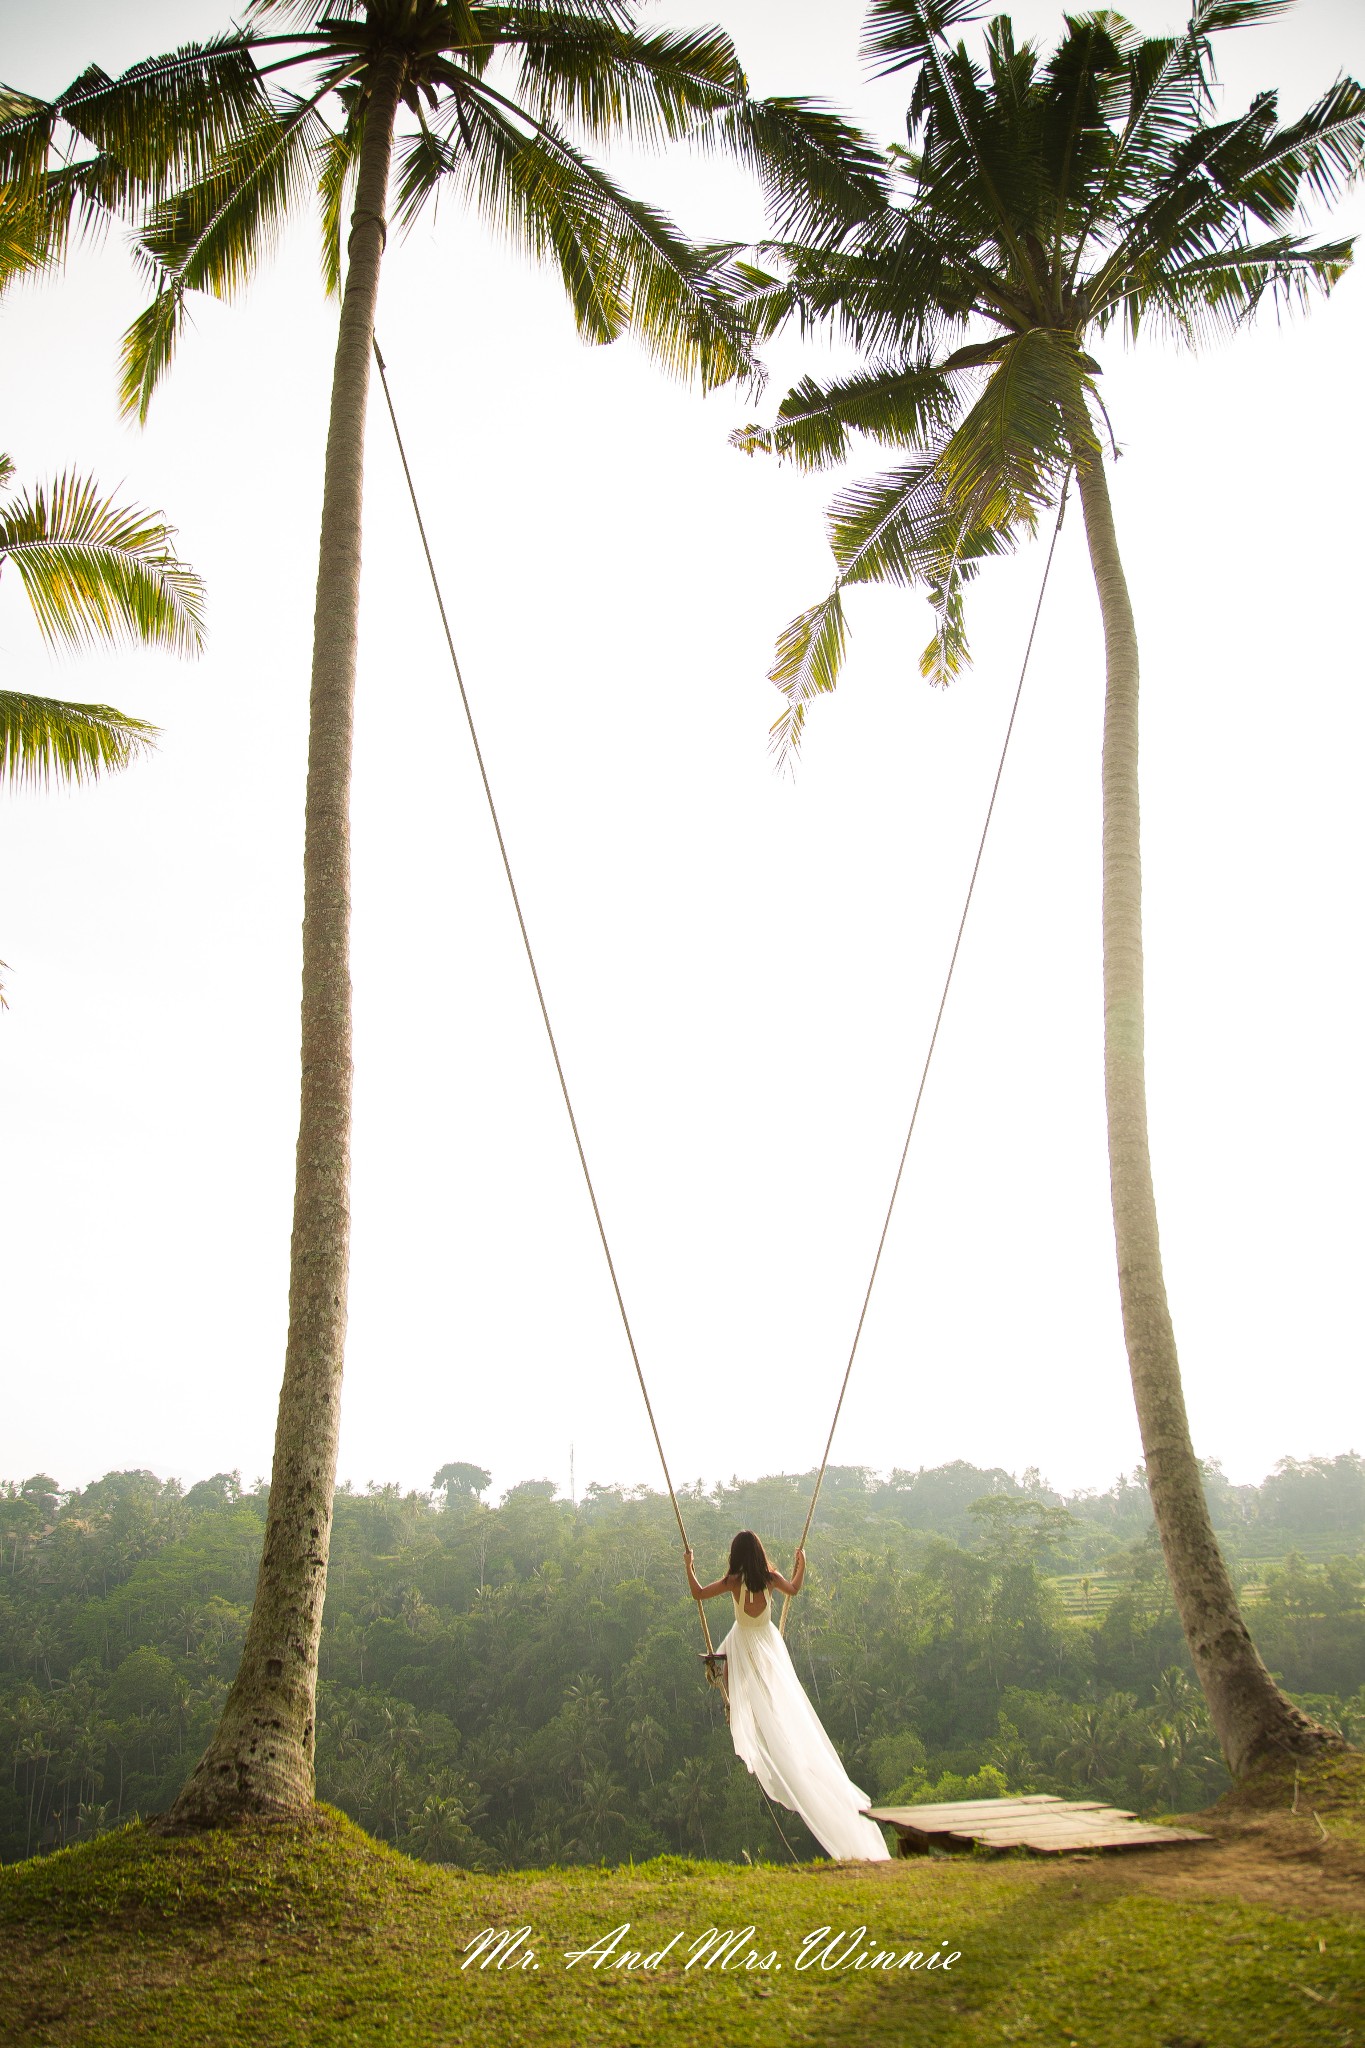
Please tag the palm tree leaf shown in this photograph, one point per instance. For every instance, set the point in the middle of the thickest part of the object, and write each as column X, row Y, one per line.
column 899, row 33
column 764, row 301
column 96, row 571
column 1219, row 176
column 1219, row 292
column 530, row 197
column 1028, row 427
column 32, row 232
column 42, row 739
column 819, row 175
column 1212, row 17
column 810, row 654
column 973, row 175
column 609, row 80
column 895, row 527
column 149, row 346
column 1083, row 83
column 1324, row 149
column 904, row 406
column 623, row 263
column 160, row 122
column 894, row 289
column 210, row 235
column 815, row 169
column 277, row 13
column 339, row 157
column 1160, row 90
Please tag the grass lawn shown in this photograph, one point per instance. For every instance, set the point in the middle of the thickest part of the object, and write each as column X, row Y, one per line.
column 286, row 1934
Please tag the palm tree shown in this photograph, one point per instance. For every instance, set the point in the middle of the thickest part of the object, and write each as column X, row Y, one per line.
column 384, row 104
column 1044, row 201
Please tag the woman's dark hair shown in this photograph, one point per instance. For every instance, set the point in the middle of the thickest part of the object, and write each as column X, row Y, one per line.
column 749, row 1562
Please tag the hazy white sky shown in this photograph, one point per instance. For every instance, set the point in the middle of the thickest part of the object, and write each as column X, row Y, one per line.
column 743, row 970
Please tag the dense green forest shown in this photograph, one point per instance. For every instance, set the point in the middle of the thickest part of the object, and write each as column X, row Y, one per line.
column 520, row 1685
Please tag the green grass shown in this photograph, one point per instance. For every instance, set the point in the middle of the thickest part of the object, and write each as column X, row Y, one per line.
column 283, row 1936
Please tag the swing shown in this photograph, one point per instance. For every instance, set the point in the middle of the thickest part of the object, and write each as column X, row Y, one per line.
column 713, row 1661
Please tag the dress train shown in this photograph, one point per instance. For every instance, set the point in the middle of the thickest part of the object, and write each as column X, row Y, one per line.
column 778, row 1734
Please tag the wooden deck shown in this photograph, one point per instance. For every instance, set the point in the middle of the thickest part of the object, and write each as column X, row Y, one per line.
column 1037, row 1820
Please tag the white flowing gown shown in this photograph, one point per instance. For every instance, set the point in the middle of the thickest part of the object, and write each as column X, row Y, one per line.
column 777, row 1733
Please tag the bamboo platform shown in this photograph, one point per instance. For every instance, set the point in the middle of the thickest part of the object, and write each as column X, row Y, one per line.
column 1037, row 1820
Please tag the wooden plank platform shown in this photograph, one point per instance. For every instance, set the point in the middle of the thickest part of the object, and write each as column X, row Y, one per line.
column 1035, row 1820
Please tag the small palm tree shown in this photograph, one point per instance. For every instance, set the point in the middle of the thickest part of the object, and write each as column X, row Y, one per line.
column 378, row 106
column 1044, row 203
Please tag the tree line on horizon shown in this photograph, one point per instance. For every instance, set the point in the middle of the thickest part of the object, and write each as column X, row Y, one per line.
column 519, row 1685
column 1041, row 203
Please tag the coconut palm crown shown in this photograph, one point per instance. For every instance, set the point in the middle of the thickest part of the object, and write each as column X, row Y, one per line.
column 371, row 108
column 1043, row 202
column 1040, row 203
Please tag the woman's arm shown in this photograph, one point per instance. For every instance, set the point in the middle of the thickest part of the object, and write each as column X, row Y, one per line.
column 694, row 1585
column 797, row 1579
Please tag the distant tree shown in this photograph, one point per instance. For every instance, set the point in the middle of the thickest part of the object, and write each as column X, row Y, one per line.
column 461, row 1482
column 1316, row 1496
column 223, row 1490
column 1012, row 1528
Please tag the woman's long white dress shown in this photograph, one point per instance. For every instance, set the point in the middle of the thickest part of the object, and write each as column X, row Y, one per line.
column 777, row 1733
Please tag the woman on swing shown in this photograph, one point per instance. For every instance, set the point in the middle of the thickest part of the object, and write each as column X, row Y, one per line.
column 775, row 1729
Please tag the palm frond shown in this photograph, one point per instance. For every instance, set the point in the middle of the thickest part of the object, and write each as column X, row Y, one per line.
column 306, row 14
column 530, row 197
column 819, row 174
column 43, row 739
column 95, row 571
column 1249, row 167
column 1324, row 150
column 32, row 233
column 764, row 301
column 899, row 33
column 214, row 232
column 899, row 287
column 211, row 235
column 809, row 657
column 623, row 264
column 905, row 406
column 27, row 125
column 149, row 346
column 1029, row 425
column 608, row 80
column 1160, row 86
column 907, row 527
column 159, row 123
column 1213, row 17
column 339, row 159
column 1219, row 292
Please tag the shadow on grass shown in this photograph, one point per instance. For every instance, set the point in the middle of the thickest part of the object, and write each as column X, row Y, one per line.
column 941, row 2011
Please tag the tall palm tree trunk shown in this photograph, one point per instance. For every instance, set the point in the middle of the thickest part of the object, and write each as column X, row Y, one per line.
column 1252, row 1717
column 261, row 1759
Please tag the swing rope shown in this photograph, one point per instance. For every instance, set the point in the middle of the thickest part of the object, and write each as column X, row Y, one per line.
column 938, row 1019
column 714, row 1676
column 540, row 993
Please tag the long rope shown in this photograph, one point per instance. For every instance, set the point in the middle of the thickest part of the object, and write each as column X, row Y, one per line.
column 933, row 1036
column 535, row 974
